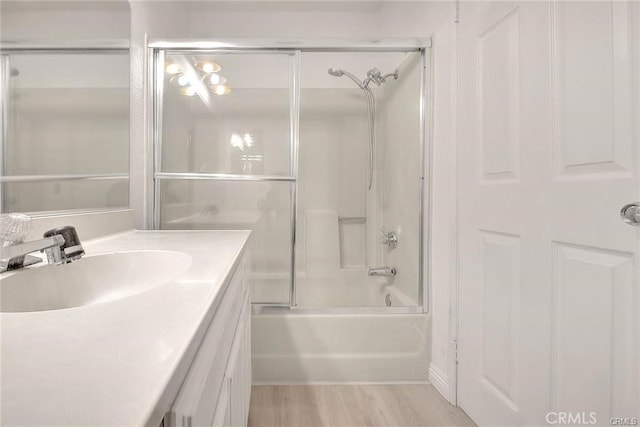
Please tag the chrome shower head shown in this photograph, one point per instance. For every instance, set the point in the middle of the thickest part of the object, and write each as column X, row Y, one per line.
column 337, row 72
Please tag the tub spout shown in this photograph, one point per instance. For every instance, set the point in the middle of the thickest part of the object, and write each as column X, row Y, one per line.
column 382, row 271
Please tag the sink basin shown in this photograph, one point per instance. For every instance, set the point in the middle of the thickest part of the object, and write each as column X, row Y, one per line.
column 90, row 280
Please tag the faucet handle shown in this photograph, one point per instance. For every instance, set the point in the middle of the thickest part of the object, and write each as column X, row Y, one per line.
column 389, row 238
column 71, row 249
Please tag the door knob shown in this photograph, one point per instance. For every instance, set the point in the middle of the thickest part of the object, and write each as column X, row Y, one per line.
column 630, row 214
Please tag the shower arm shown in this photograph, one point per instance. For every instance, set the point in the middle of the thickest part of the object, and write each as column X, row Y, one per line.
column 394, row 75
column 356, row 80
column 373, row 75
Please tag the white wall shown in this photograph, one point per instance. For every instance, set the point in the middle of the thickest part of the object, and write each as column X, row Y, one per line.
column 332, row 165
column 51, row 21
column 442, row 238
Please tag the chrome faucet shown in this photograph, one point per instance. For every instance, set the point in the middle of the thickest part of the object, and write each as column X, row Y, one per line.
column 17, row 255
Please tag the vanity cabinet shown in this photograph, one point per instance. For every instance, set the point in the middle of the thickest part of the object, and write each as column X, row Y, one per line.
column 232, row 408
column 217, row 388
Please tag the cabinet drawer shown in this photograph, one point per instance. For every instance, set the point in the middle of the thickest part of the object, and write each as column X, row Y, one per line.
column 196, row 400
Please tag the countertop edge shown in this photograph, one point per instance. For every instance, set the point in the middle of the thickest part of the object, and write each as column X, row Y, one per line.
column 170, row 390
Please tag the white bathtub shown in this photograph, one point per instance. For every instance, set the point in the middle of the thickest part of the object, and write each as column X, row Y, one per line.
column 303, row 348
column 334, row 336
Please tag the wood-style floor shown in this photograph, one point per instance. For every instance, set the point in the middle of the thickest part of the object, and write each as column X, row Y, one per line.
column 352, row 406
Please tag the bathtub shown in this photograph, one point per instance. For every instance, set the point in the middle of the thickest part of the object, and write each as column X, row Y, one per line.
column 341, row 332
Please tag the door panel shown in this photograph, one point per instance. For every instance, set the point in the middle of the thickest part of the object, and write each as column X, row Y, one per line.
column 592, row 88
column 498, row 112
column 591, row 329
column 548, row 154
column 499, row 318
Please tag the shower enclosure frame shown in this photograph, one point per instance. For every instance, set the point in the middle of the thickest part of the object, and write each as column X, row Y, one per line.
column 155, row 52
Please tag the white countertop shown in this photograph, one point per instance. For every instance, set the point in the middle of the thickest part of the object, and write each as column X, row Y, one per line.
column 120, row 362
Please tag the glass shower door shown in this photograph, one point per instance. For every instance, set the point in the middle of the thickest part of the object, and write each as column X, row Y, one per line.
column 227, row 158
column 225, row 153
column 341, row 217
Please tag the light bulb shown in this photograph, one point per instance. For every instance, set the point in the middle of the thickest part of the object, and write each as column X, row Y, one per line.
column 180, row 80
column 187, row 91
column 216, row 79
column 207, row 66
column 221, row 90
column 236, row 141
column 248, row 139
column 172, row 68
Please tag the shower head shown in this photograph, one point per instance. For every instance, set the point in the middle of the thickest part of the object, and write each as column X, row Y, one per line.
column 337, row 72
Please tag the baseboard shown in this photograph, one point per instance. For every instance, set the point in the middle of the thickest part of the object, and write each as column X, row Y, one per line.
column 439, row 380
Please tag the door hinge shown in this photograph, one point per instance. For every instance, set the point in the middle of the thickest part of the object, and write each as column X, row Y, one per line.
column 455, row 351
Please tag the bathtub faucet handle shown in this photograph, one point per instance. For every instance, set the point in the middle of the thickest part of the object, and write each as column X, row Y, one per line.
column 389, row 238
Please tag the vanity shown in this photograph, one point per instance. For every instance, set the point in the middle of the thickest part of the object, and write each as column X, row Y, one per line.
column 160, row 334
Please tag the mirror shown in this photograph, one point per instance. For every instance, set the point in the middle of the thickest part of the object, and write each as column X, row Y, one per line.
column 64, row 92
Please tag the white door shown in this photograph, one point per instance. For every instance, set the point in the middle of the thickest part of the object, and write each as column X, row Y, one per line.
column 548, row 154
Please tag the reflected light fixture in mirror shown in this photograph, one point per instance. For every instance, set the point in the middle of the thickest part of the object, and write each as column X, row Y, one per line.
column 221, row 89
column 180, row 80
column 248, row 139
column 187, row 91
column 172, row 68
column 215, row 79
column 217, row 84
column 241, row 141
column 207, row 66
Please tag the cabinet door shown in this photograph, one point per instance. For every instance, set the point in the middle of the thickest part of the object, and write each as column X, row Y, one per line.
column 247, row 359
column 209, row 373
column 222, row 416
column 233, row 404
column 236, row 369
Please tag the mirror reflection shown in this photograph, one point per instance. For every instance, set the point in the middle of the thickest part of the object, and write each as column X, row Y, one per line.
column 65, row 112
column 67, row 136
